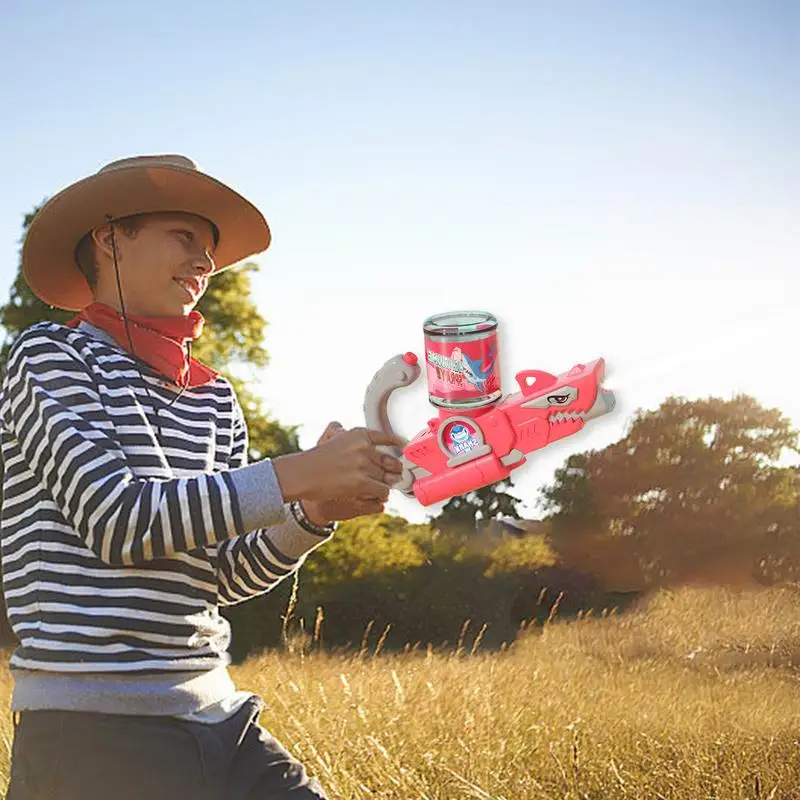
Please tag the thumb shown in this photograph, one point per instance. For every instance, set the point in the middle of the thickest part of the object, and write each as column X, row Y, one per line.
column 383, row 438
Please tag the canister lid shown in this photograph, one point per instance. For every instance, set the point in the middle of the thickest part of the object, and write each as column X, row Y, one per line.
column 459, row 323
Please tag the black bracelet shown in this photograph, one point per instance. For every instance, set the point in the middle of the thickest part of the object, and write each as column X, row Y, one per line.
column 299, row 514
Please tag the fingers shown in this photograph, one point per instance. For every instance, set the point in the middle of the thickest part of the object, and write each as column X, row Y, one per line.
column 375, row 483
column 373, row 507
column 367, row 437
column 374, row 489
column 351, row 464
column 383, row 477
column 360, row 507
column 333, row 429
column 380, row 438
column 367, row 506
column 385, row 463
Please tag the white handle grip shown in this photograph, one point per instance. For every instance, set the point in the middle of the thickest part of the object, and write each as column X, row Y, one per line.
column 399, row 371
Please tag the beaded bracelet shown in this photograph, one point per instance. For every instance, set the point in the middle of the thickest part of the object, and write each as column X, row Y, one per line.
column 299, row 514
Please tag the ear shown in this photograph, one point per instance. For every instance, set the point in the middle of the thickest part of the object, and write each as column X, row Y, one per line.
column 103, row 243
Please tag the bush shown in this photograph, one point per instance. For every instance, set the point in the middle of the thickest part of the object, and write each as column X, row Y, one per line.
column 384, row 579
column 404, row 584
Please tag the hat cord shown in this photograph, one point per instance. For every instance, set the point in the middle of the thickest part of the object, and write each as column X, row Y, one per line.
column 153, row 403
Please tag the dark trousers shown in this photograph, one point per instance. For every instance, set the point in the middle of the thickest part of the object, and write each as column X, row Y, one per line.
column 78, row 756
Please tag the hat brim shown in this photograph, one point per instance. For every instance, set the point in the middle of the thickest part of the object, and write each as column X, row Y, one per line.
column 48, row 255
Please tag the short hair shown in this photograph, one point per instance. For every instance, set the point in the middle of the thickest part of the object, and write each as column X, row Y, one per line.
column 85, row 253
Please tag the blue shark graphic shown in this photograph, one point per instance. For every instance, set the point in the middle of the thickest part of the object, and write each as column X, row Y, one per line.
column 473, row 372
column 462, row 440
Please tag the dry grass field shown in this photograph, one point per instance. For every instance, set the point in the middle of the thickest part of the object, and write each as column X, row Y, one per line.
column 692, row 696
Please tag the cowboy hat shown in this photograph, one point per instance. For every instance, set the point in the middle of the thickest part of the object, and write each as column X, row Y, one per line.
column 137, row 185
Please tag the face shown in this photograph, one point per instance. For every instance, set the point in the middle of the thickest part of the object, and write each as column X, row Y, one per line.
column 163, row 267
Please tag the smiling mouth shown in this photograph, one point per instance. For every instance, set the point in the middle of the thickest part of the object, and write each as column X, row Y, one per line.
column 189, row 286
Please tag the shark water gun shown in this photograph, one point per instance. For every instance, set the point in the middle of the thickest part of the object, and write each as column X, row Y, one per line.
column 479, row 435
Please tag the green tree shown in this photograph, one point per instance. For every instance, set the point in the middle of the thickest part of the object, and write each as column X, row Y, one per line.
column 520, row 554
column 365, row 547
column 462, row 516
column 695, row 490
column 781, row 558
column 232, row 343
column 383, row 574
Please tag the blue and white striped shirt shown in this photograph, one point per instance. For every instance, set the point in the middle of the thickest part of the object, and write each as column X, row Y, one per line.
column 118, row 548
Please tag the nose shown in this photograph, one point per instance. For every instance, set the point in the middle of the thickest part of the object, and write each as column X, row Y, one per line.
column 204, row 263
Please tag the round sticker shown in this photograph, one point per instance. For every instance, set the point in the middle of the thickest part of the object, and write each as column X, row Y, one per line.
column 460, row 437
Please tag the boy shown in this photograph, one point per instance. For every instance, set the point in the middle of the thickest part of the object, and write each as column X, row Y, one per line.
column 129, row 511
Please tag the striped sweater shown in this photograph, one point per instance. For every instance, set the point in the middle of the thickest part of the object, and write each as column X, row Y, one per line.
column 119, row 547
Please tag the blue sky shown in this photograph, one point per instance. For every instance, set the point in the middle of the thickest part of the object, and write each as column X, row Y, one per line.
column 615, row 179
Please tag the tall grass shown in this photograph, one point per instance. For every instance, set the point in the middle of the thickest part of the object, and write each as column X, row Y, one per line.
column 693, row 695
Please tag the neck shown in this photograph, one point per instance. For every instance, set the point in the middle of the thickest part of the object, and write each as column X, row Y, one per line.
column 179, row 327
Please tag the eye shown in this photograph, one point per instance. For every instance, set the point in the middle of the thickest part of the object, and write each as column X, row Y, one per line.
column 558, row 399
column 187, row 235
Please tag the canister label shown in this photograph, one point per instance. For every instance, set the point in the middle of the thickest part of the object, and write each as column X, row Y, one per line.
column 462, row 373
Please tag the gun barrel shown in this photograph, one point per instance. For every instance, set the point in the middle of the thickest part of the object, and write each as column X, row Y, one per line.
column 462, row 480
column 603, row 404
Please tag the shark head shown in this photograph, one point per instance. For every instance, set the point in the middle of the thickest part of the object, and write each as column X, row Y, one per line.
column 572, row 398
column 476, row 370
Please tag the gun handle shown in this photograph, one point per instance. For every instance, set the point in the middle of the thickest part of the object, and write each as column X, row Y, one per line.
column 397, row 372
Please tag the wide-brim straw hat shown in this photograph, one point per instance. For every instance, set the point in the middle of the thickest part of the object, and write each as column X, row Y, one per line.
column 142, row 184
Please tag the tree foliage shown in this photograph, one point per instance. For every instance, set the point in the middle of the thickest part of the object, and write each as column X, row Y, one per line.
column 382, row 574
column 462, row 516
column 384, row 571
column 694, row 490
column 367, row 546
column 520, row 554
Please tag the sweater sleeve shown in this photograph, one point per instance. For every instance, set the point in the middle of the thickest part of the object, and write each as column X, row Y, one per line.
column 52, row 407
column 254, row 563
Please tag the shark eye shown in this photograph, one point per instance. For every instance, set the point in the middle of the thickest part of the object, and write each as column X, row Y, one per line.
column 558, row 399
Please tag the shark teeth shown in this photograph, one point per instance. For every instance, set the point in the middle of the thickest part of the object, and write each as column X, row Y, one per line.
column 566, row 416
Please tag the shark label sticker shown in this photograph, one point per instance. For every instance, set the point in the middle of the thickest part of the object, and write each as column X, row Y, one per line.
column 464, row 373
column 460, row 437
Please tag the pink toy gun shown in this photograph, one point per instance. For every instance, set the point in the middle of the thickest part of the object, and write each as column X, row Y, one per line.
column 479, row 436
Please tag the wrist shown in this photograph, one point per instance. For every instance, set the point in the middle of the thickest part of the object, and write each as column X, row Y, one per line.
column 314, row 515
column 301, row 517
column 292, row 476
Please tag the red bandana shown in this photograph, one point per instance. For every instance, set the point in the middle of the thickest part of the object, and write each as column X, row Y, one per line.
column 158, row 341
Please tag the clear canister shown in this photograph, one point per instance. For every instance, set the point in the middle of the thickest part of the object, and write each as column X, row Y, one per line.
column 461, row 359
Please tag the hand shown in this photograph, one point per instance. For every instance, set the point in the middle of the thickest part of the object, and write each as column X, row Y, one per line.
column 336, row 510
column 344, row 466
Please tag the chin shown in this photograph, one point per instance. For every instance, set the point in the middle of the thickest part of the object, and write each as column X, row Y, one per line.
column 183, row 309
column 175, row 311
